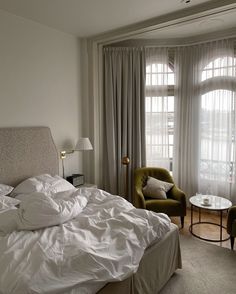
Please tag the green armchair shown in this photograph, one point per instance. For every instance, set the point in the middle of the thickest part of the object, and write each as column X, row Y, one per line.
column 231, row 225
column 174, row 205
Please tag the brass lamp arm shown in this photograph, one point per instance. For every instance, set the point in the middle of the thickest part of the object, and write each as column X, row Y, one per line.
column 64, row 153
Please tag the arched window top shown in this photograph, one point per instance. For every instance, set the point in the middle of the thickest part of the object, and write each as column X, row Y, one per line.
column 159, row 74
column 221, row 66
column 219, row 100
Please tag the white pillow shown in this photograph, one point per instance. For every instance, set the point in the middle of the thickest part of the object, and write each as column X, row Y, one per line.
column 45, row 183
column 8, row 202
column 156, row 189
column 41, row 211
column 5, row 189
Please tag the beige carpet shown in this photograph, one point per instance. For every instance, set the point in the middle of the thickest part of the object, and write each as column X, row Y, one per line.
column 206, row 269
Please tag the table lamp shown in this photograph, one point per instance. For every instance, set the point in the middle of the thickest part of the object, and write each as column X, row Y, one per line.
column 82, row 144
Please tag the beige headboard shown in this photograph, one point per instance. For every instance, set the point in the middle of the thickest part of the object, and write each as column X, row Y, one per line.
column 26, row 152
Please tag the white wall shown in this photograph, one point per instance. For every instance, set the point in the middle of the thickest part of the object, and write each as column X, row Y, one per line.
column 40, row 81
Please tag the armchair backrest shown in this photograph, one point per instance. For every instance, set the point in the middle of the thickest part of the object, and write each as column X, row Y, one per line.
column 141, row 175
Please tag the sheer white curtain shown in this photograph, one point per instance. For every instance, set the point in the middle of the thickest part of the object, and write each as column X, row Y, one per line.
column 204, row 153
column 217, row 86
column 159, row 108
column 186, row 147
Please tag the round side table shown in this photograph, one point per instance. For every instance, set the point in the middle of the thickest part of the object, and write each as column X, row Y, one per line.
column 216, row 203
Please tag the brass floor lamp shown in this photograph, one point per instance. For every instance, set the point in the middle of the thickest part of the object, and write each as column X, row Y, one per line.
column 125, row 161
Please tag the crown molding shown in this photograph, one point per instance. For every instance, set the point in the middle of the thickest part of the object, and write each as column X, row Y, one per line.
column 188, row 15
column 173, row 42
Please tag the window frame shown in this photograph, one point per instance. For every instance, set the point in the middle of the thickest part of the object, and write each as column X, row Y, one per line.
column 152, row 91
column 228, row 83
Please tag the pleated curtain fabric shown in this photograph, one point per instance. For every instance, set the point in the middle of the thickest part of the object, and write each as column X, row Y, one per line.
column 124, row 116
column 204, row 156
column 217, row 128
column 157, row 116
column 186, row 147
column 205, row 119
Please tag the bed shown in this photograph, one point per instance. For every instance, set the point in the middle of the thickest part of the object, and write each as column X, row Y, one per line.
column 30, row 151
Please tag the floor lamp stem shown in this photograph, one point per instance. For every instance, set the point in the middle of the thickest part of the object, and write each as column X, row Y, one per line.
column 126, row 161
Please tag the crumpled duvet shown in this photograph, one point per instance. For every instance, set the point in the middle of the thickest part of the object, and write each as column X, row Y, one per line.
column 37, row 210
column 103, row 243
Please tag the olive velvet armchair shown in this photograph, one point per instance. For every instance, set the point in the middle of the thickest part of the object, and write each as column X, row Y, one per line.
column 231, row 225
column 174, row 205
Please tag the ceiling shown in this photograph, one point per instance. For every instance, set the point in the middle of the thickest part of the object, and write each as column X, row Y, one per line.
column 85, row 18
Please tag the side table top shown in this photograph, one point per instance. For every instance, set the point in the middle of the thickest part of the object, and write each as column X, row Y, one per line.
column 215, row 202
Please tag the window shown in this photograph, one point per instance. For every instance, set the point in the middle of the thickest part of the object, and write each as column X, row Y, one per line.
column 159, row 110
column 222, row 66
column 217, row 121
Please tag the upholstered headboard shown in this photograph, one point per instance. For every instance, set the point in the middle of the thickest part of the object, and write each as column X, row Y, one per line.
column 26, row 152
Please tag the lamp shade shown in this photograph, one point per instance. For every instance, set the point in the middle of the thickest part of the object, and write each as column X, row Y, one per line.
column 83, row 144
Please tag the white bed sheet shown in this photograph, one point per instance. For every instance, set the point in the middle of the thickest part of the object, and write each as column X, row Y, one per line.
column 104, row 243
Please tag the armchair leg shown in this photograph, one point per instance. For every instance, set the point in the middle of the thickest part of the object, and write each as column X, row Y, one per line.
column 232, row 242
column 182, row 221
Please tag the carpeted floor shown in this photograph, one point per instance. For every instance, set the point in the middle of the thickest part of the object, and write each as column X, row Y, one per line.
column 207, row 269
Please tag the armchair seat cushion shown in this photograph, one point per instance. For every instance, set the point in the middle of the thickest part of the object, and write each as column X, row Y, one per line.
column 169, row 206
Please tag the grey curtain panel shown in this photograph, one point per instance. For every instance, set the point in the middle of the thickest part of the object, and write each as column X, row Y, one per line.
column 124, row 116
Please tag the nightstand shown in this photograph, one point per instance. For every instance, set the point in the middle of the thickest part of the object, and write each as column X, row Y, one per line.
column 87, row 185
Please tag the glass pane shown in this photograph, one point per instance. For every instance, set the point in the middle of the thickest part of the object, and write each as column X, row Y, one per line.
column 148, row 139
column 165, row 79
column 171, row 103
column 159, row 131
column 170, row 151
column 148, row 104
column 228, row 71
column 204, row 75
column 216, row 135
column 148, row 79
column 154, row 79
column 154, row 104
column 216, row 72
column 217, row 62
column 154, row 67
column 165, row 104
column 171, row 79
column 226, row 61
column 223, row 66
column 148, row 121
column 159, row 115
column 160, row 79
column 160, row 68
column 148, row 69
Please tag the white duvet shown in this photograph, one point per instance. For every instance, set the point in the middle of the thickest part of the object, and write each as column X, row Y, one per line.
column 102, row 242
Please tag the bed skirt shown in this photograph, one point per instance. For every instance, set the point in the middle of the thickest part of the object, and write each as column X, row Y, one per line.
column 158, row 264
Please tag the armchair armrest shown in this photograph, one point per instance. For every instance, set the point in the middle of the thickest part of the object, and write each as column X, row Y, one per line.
column 231, row 219
column 177, row 194
column 138, row 199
